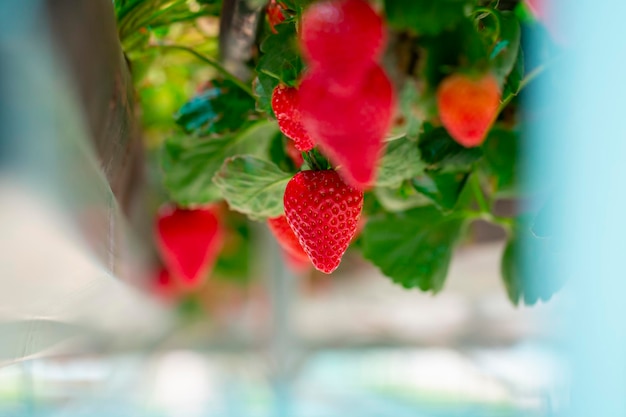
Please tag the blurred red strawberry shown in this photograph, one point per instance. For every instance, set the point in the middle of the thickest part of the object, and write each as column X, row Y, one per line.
column 189, row 241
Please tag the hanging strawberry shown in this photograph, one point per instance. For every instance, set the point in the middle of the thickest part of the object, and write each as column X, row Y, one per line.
column 350, row 129
column 323, row 212
column 342, row 39
column 286, row 107
column 468, row 107
column 189, row 241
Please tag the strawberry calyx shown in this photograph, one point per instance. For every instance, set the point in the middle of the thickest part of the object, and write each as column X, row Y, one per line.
column 316, row 161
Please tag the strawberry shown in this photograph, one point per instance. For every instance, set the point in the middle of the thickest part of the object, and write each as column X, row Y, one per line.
column 285, row 103
column 349, row 129
column 468, row 107
column 189, row 241
column 343, row 39
column 286, row 238
column 323, row 213
column 275, row 14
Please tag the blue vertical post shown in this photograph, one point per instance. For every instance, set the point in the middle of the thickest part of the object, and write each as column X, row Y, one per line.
column 586, row 142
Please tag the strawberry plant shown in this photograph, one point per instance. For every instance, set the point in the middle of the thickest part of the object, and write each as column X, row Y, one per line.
column 405, row 113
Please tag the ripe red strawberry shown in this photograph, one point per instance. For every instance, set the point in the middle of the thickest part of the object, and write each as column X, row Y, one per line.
column 468, row 106
column 189, row 241
column 286, row 106
column 342, row 38
column 323, row 213
column 275, row 14
column 349, row 129
column 286, row 238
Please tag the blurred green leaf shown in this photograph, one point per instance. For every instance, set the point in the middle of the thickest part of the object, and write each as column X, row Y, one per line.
column 414, row 247
column 442, row 188
column 224, row 107
column 400, row 198
column 280, row 57
column 189, row 163
column 408, row 100
column 514, row 80
column 462, row 47
column 400, row 162
column 501, row 153
column 440, row 152
column 506, row 51
column 252, row 186
column 425, row 17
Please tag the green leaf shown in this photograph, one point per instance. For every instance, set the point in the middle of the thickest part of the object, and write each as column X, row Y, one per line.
column 252, row 186
column 280, row 57
column 443, row 189
column 514, row 80
column 408, row 100
column 440, row 152
column 505, row 53
column 264, row 86
column 425, row 17
column 413, row 248
column 401, row 198
column 525, row 283
column 400, row 162
column 501, row 153
column 189, row 163
column 222, row 108
column 443, row 54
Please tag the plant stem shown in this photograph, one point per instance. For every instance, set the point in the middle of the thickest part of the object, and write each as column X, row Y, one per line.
column 478, row 194
column 223, row 71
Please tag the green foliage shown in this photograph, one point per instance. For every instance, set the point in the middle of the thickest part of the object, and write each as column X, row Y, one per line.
column 440, row 152
column 280, row 57
column 223, row 107
column 425, row 17
column 252, row 186
column 442, row 188
column 414, row 247
column 264, row 86
column 137, row 20
column 400, row 162
column 462, row 47
column 189, row 162
column 401, row 198
column 501, row 149
column 514, row 80
column 504, row 55
column 280, row 62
